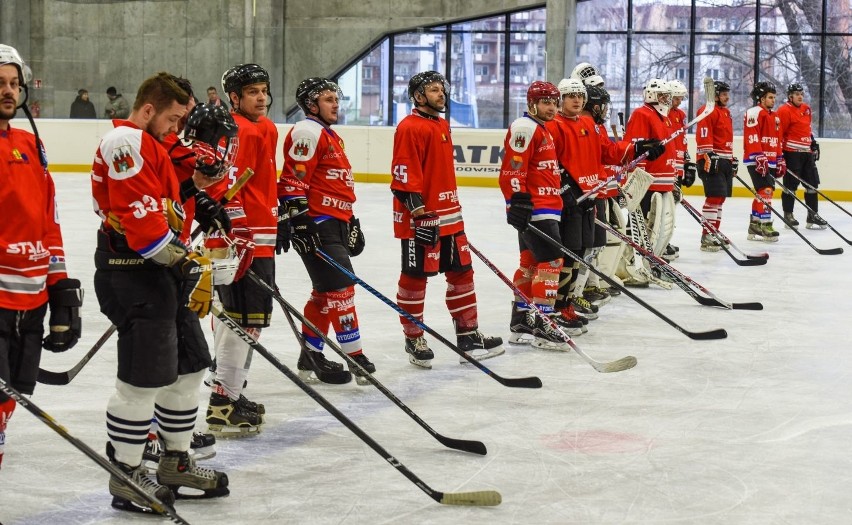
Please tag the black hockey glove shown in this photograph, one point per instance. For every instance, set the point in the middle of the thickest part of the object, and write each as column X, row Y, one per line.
column 305, row 237
column 653, row 147
column 65, row 299
column 815, row 148
column 520, row 210
column 210, row 214
column 690, row 171
column 427, row 229
column 287, row 209
column 355, row 242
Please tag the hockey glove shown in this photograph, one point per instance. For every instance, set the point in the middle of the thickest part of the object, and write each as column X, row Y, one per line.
column 815, row 149
column 654, row 148
column 65, row 299
column 735, row 165
column 711, row 163
column 355, row 242
column 780, row 167
column 305, row 236
column 241, row 239
column 520, row 210
column 197, row 272
column 427, row 229
column 207, row 160
column 210, row 214
column 761, row 165
column 286, row 211
column 175, row 216
column 690, row 171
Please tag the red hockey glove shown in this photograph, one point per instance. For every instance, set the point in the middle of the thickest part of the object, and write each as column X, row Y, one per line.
column 761, row 164
column 780, row 167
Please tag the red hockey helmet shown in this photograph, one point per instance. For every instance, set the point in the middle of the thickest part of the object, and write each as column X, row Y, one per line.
column 539, row 90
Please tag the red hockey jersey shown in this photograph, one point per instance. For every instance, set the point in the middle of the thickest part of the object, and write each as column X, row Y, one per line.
column 677, row 118
column 131, row 175
column 530, row 165
column 647, row 123
column 613, row 154
column 582, row 150
column 31, row 250
column 423, row 162
column 796, row 131
column 715, row 133
column 315, row 156
column 269, row 132
column 183, row 160
column 761, row 135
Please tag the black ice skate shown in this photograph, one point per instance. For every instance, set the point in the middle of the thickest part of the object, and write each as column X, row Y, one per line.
column 315, row 368
column 521, row 327
column 419, row 353
column 370, row 368
column 229, row 418
column 478, row 346
column 815, row 222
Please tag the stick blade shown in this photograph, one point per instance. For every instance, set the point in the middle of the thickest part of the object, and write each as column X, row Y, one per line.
column 718, row 333
column 481, row 498
column 829, row 251
column 519, row 382
column 710, row 90
column 625, row 363
column 465, row 445
column 46, row 377
column 747, row 306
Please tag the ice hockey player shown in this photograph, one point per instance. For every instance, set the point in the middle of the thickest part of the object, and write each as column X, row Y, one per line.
column 714, row 139
column 253, row 213
column 317, row 182
column 427, row 218
column 33, row 278
column 144, row 275
column 762, row 156
column 685, row 169
column 801, row 151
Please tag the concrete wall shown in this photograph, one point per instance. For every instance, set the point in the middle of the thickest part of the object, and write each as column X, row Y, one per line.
column 93, row 44
column 71, row 145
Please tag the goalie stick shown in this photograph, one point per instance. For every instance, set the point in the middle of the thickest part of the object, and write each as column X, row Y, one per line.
column 475, row 447
column 724, row 242
column 155, row 504
column 625, row 363
column 814, row 188
column 515, row 382
column 63, row 378
column 683, row 281
column 821, row 251
column 718, row 333
column 476, row 498
column 811, row 211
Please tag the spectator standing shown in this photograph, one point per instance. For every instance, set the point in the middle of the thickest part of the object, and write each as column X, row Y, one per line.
column 82, row 107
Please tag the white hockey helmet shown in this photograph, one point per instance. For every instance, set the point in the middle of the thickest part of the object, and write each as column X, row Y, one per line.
column 10, row 55
column 658, row 94
column 569, row 86
column 678, row 89
column 594, row 80
column 584, row 70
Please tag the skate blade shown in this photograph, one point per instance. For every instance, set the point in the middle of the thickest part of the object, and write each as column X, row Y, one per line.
column 521, row 339
column 308, row 377
column 128, row 506
column 361, row 380
column 182, row 492
column 551, row 346
column 488, row 354
column 202, row 453
column 815, row 227
column 422, row 363
column 223, row 431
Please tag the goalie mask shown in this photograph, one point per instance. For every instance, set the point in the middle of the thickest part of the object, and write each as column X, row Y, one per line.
column 213, row 133
column 658, row 94
column 597, row 103
column 584, row 70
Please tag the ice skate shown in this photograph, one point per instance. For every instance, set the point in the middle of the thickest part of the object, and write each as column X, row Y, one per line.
column 671, row 253
column 125, row 498
column 709, row 243
column 759, row 231
column 547, row 337
column 186, row 480
column 596, row 295
column 520, row 329
column 365, row 363
column 584, row 308
column 815, row 222
column 419, row 353
column 571, row 323
column 229, row 418
column 791, row 221
column 202, row 446
column 315, row 368
column 478, row 346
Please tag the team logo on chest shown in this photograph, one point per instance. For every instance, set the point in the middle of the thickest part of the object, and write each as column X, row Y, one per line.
column 18, row 157
column 122, row 159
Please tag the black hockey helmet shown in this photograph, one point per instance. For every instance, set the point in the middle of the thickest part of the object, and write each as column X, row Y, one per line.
column 214, row 134
column 720, row 86
column 795, row 86
column 417, row 83
column 310, row 88
column 761, row 89
column 597, row 96
column 242, row 75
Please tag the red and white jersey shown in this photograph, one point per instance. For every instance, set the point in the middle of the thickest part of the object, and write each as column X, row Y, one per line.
column 315, row 156
column 678, row 118
column 256, row 204
column 647, row 123
column 715, row 133
column 796, row 131
column 582, row 150
column 132, row 174
column 613, row 154
column 183, row 160
column 32, row 256
column 423, row 162
column 530, row 165
column 761, row 135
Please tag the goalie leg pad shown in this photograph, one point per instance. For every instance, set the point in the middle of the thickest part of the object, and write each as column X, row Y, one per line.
column 661, row 221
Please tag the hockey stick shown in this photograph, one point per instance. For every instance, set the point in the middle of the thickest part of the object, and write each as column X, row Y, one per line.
column 683, row 281
column 518, row 382
column 814, row 188
column 625, row 363
column 718, row 333
column 724, row 242
column 812, row 212
column 821, row 251
column 155, row 504
column 475, row 447
column 477, row 498
column 63, row 378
